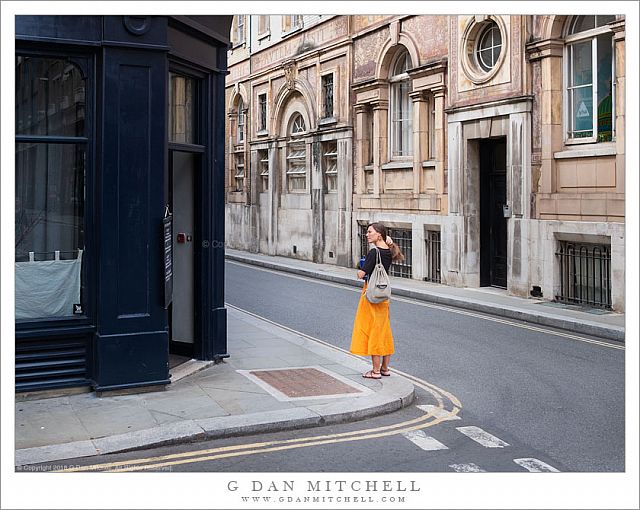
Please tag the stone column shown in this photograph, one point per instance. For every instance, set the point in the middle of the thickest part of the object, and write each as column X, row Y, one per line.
column 456, row 167
column 362, row 148
column 618, row 28
column 272, row 200
column 420, row 133
column 380, row 145
column 440, row 146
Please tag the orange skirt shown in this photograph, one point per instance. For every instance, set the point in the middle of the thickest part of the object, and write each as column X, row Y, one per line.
column 371, row 329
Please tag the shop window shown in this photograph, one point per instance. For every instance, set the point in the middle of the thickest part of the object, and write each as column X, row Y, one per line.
column 330, row 165
column 590, row 80
column 327, row 96
column 50, row 173
column 296, row 156
column 263, row 168
column 182, row 109
column 401, row 115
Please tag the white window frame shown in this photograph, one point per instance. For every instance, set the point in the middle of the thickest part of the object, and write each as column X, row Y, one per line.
column 490, row 26
column 330, row 165
column 263, row 168
column 239, row 170
column 241, row 123
column 296, row 155
column 262, row 116
column 291, row 22
column 396, row 82
column 569, row 40
column 240, row 35
column 264, row 25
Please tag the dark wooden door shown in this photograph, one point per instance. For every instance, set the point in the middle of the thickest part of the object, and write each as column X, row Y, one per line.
column 493, row 224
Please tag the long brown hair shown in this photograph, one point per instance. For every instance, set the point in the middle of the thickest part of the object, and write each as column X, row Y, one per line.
column 396, row 254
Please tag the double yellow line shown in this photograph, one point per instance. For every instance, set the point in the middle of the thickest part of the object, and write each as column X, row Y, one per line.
column 434, row 417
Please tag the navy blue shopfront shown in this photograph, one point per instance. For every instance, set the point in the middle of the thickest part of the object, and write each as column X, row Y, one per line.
column 119, row 134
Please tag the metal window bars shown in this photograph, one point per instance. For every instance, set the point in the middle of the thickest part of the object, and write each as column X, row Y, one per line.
column 432, row 250
column 401, row 237
column 585, row 274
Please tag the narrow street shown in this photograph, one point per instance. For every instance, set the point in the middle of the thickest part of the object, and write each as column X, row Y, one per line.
column 553, row 393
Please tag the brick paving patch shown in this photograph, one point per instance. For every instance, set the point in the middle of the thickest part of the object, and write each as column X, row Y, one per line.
column 303, row 382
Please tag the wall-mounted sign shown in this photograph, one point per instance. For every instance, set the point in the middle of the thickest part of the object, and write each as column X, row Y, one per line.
column 167, row 225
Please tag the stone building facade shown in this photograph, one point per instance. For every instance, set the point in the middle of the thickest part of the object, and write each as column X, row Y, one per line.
column 492, row 146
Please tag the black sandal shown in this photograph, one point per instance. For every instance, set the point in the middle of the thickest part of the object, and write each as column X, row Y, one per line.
column 385, row 373
column 371, row 375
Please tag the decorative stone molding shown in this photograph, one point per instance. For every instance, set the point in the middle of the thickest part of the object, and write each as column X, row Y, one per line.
column 290, row 73
column 468, row 47
column 542, row 49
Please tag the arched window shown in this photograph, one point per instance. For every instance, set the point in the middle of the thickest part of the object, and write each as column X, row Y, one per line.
column 401, row 116
column 239, row 148
column 296, row 155
column 590, row 79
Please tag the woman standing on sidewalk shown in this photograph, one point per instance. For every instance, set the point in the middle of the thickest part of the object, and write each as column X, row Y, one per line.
column 371, row 328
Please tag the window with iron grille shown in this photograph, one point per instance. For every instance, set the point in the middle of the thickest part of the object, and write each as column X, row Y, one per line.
column 585, row 274
column 262, row 112
column 263, row 168
column 239, row 171
column 401, row 237
column 327, row 95
column 432, row 250
column 330, row 165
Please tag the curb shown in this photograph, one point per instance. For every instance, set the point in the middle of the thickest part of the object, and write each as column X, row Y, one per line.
column 540, row 318
column 398, row 393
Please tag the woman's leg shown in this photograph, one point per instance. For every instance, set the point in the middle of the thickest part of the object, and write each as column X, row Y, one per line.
column 384, row 367
column 376, row 363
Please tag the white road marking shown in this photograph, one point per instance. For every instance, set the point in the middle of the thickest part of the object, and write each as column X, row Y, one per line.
column 419, row 438
column 535, row 466
column 482, row 437
column 438, row 412
column 467, row 468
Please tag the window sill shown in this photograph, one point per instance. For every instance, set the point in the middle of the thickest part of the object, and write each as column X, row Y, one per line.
column 287, row 33
column 368, row 168
column 327, row 120
column 601, row 149
column 431, row 163
column 264, row 35
column 262, row 132
column 238, row 45
column 398, row 165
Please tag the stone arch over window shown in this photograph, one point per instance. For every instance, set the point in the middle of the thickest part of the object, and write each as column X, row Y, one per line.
column 388, row 55
column 288, row 102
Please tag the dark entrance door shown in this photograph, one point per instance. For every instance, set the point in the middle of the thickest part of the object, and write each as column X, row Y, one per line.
column 493, row 224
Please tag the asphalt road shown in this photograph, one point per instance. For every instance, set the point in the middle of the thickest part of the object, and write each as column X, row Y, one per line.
column 530, row 400
column 555, row 398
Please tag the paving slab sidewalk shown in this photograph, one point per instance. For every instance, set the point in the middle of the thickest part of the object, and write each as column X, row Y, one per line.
column 220, row 400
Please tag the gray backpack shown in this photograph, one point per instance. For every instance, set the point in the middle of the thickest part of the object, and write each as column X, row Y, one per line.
column 379, row 287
